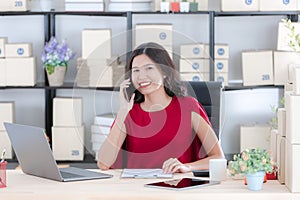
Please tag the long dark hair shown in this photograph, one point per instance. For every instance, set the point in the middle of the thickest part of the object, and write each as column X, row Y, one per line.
column 172, row 83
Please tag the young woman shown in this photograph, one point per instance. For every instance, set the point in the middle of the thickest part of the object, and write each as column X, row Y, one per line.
column 162, row 127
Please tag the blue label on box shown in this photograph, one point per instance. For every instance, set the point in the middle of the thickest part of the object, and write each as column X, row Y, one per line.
column 195, row 66
column 196, row 50
column 220, row 65
column 196, row 78
column 20, row 51
column 75, row 153
column 285, row 2
column 265, row 77
column 18, row 4
column 162, row 35
column 248, row 2
column 221, row 51
column 220, row 79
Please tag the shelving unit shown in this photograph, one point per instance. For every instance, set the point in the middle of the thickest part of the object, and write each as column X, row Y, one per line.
column 52, row 21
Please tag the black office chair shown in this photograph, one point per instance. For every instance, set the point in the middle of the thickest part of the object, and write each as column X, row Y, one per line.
column 209, row 95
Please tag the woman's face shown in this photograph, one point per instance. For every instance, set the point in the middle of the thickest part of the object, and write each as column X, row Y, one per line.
column 146, row 76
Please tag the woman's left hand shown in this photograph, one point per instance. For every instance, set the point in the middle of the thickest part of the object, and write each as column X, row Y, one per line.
column 173, row 165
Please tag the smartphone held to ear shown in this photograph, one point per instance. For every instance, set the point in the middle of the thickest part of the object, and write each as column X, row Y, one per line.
column 128, row 92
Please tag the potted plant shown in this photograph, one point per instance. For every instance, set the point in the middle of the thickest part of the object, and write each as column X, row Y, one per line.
column 164, row 6
column 175, row 6
column 55, row 58
column 254, row 163
column 193, row 6
column 184, row 6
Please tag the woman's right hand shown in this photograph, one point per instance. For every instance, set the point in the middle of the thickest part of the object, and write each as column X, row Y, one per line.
column 124, row 104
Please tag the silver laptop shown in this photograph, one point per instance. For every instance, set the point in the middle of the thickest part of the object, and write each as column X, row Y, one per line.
column 35, row 156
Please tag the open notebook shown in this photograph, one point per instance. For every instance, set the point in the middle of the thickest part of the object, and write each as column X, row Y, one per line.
column 145, row 173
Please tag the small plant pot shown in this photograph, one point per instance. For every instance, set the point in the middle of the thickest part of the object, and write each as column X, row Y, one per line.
column 165, row 7
column 175, row 6
column 193, row 6
column 184, row 6
column 255, row 181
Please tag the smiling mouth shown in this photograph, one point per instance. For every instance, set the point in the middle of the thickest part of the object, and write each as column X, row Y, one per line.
column 144, row 84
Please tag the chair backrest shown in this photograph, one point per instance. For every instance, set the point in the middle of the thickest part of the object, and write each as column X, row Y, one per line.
column 209, row 95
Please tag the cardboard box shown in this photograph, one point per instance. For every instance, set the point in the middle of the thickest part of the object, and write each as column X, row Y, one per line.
column 282, row 60
column 67, row 111
column 3, row 42
column 20, row 50
column 68, row 143
column 7, row 113
column 281, row 118
column 101, row 76
column 96, row 43
column 239, row 5
column 192, row 51
column 221, row 51
column 21, row 71
column 296, row 78
column 281, row 141
column 5, row 144
column 222, row 77
column 221, row 65
column 256, row 136
column 158, row 33
column 257, row 68
column 194, row 65
column 194, row 76
column 292, row 118
column 2, row 72
column 292, row 166
column 282, row 36
column 278, row 5
column 13, row 5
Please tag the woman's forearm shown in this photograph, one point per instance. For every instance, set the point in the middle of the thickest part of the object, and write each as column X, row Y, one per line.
column 111, row 146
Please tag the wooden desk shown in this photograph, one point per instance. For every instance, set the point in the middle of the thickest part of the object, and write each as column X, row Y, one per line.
column 25, row 187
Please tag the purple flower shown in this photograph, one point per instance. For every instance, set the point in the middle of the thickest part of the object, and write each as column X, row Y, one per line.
column 55, row 54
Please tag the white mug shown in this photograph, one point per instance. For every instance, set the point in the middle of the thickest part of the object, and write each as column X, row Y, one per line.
column 217, row 169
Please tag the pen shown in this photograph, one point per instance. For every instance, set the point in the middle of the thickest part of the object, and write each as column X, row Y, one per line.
column 2, row 155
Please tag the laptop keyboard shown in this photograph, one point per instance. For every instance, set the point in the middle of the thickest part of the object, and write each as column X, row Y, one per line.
column 69, row 175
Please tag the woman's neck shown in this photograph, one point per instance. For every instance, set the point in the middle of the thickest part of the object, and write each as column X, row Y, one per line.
column 156, row 101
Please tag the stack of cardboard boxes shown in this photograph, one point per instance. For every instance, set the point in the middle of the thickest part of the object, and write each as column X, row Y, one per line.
column 96, row 67
column 292, row 149
column 17, row 64
column 158, row 33
column 195, row 62
column 68, row 128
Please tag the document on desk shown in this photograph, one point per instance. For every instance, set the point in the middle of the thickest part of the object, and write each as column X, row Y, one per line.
column 145, row 173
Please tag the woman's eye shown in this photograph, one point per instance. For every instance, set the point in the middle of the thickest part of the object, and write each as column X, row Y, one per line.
column 135, row 70
column 149, row 67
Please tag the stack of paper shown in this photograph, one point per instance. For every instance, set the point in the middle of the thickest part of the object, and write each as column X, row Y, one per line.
column 100, row 130
column 84, row 5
